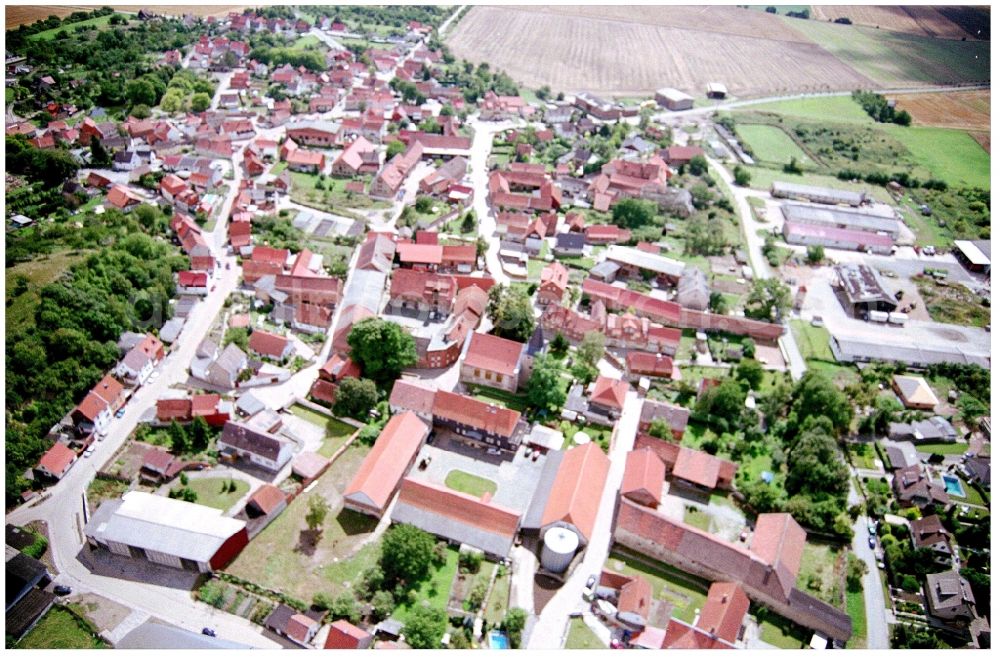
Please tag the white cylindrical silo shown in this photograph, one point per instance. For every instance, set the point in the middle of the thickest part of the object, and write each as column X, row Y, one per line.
column 559, row 546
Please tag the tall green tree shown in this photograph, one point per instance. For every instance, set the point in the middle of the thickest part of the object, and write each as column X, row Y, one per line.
column 633, row 213
column 316, row 515
column 769, row 300
column 545, row 387
column 425, row 628
column 406, row 554
column 815, row 396
column 355, row 397
column 382, row 349
column 511, row 312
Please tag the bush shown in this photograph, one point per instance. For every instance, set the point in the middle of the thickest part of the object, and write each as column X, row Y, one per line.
column 909, row 583
column 470, row 562
column 37, row 548
column 741, row 176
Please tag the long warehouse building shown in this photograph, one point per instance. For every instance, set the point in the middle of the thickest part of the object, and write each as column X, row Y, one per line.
column 167, row 532
column 842, row 218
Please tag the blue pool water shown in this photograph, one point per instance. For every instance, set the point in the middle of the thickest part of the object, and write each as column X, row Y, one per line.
column 498, row 641
column 953, row 486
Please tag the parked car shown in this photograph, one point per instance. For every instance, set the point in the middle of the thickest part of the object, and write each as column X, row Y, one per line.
column 493, row 451
column 588, row 589
column 120, row 413
column 871, row 528
column 207, row 631
column 535, row 454
column 88, row 452
column 871, row 542
column 62, row 589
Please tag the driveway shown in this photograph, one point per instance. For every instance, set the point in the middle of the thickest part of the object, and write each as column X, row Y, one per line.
column 548, row 631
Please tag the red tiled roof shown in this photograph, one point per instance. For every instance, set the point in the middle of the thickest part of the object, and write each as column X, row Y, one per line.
column 192, row 279
column 324, row 391
column 459, row 253
column 459, row 507
column 610, row 392
column 635, row 597
column 91, row 406
column 299, row 626
column 474, row 413
column 410, row 283
column 426, row 237
column 268, row 344
column 419, row 253
column 269, row 254
column 723, row 611
column 344, row 636
column 412, row 396
column 386, row 463
column 339, row 367
column 157, row 460
column 204, row 404
column 779, row 541
column 267, row 498
column 681, row 636
column 492, row 353
column 576, row 491
column 57, row 459
column 109, row 389
column 644, row 477
column 643, row 362
column 173, row 409
column 697, row 467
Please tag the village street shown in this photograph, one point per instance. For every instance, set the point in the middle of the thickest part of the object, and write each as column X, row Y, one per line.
column 482, row 144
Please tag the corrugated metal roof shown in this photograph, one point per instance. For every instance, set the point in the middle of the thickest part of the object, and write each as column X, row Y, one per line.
column 153, row 522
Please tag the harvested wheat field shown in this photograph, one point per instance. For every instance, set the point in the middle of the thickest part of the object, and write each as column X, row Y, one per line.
column 571, row 52
column 916, row 19
column 21, row 14
column 965, row 110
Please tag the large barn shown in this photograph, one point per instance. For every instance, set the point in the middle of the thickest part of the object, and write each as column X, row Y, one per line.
column 167, row 532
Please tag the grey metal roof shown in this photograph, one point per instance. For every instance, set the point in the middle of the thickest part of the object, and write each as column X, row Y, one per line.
column 847, row 349
column 365, row 290
column 533, row 516
column 841, row 217
column 231, row 359
column 812, row 191
column 171, row 329
column 452, row 529
column 605, row 269
column 156, row 635
column 570, row 240
column 158, row 523
column 862, row 284
column 249, row 403
column 651, row 261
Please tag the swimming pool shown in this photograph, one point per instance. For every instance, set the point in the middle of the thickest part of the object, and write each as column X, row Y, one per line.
column 498, row 641
column 953, row 486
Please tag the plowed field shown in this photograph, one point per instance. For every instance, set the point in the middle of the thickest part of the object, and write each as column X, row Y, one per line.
column 965, row 110
column 915, row 19
column 15, row 15
column 628, row 51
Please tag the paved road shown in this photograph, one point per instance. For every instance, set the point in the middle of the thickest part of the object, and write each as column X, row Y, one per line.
column 878, row 630
column 482, row 144
column 548, row 631
column 755, row 243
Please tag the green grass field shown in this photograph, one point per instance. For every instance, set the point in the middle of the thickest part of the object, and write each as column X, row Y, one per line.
column 210, row 493
column 823, row 108
column 8, row 95
column 464, row 482
column 307, row 41
column 813, row 341
column 819, row 574
column 859, row 620
column 951, row 155
column 581, row 637
column 39, row 272
column 944, row 449
column 894, row 59
column 433, row 591
column 496, row 605
column 772, row 144
column 48, row 35
column 59, row 630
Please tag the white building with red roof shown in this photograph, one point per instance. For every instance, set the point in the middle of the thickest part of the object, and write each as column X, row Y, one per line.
column 493, row 361
column 57, row 461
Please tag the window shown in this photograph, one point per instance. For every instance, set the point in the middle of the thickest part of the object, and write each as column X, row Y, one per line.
column 477, row 373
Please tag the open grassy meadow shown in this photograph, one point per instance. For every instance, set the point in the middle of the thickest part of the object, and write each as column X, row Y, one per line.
column 58, row 630
column 772, row 144
column 90, row 23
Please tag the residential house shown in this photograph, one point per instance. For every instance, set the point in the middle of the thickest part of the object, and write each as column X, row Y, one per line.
column 949, row 597
column 913, row 487
column 122, row 198
column 676, row 417
column 56, row 461
column 608, row 396
column 914, row 392
column 928, row 532
column 272, row 346
column 265, row 450
column 479, row 423
column 345, row 636
column 569, row 244
column 421, row 294
column 225, row 370
column 390, row 178
column 493, row 362
column 554, row 280
column 359, row 157
column 641, row 364
column 139, row 362
column 644, row 476
column 934, row 429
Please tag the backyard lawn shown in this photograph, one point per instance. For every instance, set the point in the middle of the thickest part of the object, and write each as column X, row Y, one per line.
column 813, row 341
column 696, row 518
column 464, row 482
column 337, row 432
column 287, row 557
column 209, row 490
column 944, row 449
column 59, row 629
column 598, row 434
column 782, row 633
column 820, row 573
column 514, row 402
column 668, row 584
column 581, row 637
column 433, row 591
column 496, row 605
